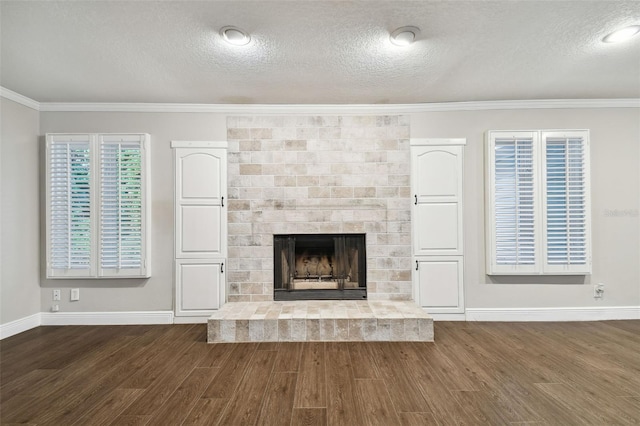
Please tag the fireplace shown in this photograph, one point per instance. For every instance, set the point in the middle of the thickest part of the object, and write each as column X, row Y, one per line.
column 319, row 266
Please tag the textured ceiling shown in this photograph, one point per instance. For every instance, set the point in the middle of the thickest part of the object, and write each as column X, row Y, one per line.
column 316, row 52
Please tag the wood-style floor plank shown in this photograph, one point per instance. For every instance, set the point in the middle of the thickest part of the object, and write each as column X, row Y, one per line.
column 115, row 402
column 167, row 347
column 231, row 372
column 245, row 404
column 311, row 388
column 206, row 411
column 131, row 421
column 107, row 373
column 342, row 408
column 439, row 400
column 217, row 355
column 278, row 400
column 288, row 358
column 63, row 391
column 309, row 417
column 590, row 408
column 405, row 392
column 362, row 361
column 374, row 402
column 417, row 419
column 23, row 384
column 174, row 371
column 473, row 374
column 182, row 400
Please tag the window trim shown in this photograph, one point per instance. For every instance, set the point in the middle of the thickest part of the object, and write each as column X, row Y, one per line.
column 540, row 266
column 95, row 270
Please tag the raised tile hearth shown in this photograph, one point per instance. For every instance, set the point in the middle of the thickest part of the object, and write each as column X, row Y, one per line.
column 320, row 320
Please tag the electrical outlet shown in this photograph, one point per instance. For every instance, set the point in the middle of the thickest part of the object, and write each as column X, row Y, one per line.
column 75, row 294
column 56, row 294
column 55, row 308
column 598, row 291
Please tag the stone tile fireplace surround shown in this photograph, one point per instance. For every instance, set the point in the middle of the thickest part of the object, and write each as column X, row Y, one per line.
column 318, row 174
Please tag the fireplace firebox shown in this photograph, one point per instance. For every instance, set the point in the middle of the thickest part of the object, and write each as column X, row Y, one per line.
column 319, row 266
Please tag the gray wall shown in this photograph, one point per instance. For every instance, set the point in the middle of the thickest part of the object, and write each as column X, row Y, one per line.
column 615, row 185
column 615, row 153
column 20, row 259
column 155, row 293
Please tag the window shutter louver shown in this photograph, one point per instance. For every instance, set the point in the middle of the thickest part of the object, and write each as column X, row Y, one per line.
column 69, row 200
column 121, row 210
column 566, row 201
column 514, row 202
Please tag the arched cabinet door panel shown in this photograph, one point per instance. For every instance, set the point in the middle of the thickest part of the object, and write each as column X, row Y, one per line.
column 437, row 200
column 437, row 224
column 200, row 188
column 200, row 229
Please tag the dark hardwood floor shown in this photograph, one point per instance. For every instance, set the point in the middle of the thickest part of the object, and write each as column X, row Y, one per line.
column 474, row 374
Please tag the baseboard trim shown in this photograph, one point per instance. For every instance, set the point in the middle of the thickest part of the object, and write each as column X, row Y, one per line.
column 107, row 318
column 447, row 317
column 18, row 326
column 190, row 320
column 472, row 314
column 595, row 313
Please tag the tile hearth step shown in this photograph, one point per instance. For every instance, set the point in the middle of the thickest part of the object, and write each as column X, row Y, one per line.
column 320, row 320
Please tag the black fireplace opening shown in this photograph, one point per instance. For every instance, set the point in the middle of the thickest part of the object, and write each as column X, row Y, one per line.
column 319, row 266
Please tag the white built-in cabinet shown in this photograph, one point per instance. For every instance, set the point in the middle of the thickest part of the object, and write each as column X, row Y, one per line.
column 436, row 181
column 200, row 226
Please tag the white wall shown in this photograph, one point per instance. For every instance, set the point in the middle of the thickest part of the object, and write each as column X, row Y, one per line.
column 20, row 258
column 615, row 183
column 615, row 153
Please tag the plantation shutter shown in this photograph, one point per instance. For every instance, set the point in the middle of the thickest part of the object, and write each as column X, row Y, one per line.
column 70, row 233
column 122, row 211
column 538, row 205
column 513, row 202
column 566, row 200
column 97, row 206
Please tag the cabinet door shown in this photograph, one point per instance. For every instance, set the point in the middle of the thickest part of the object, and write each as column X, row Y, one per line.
column 437, row 212
column 201, row 222
column 199, row 286
column 440, row 284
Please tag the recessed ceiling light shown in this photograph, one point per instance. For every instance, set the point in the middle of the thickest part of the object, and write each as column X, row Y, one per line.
column 622, row 34
column 235, row 36
column 404, row 36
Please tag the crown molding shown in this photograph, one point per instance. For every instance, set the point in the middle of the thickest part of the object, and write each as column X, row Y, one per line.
column 341, row 109
column 301, row 109
column 17, row 97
